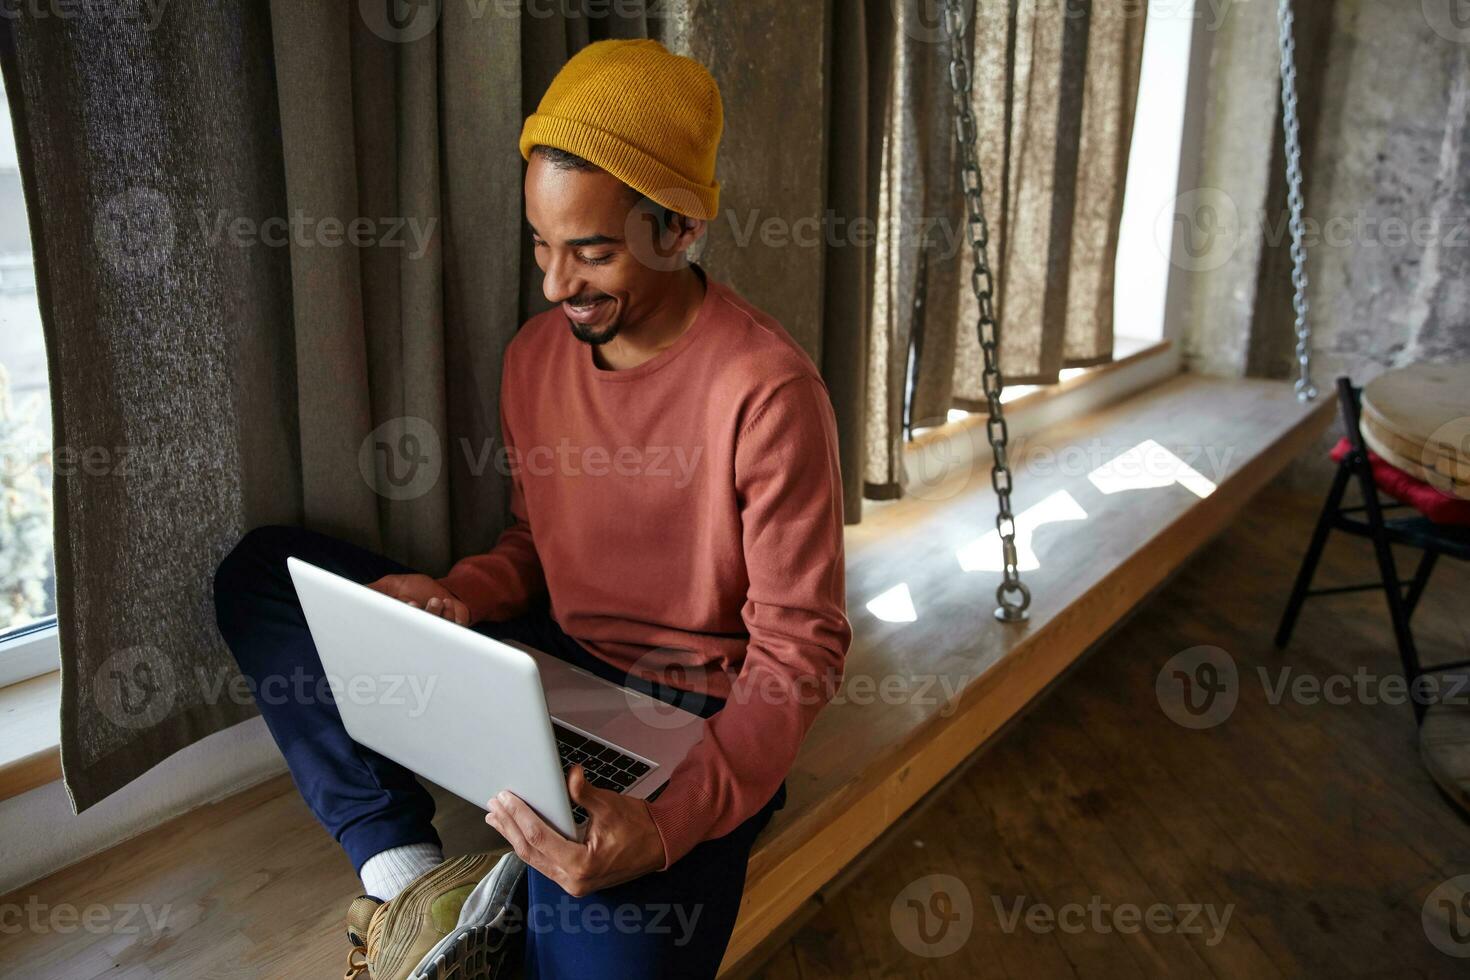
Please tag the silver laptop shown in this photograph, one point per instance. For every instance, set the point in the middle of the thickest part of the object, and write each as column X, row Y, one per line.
column 478, row 715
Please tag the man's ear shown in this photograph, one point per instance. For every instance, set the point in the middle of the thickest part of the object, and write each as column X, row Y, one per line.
column 657, row 237
column 685, row 231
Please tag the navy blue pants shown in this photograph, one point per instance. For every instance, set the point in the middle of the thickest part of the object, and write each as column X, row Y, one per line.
column 673, row 923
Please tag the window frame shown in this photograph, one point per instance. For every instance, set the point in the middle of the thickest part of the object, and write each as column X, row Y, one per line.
column 30, row 651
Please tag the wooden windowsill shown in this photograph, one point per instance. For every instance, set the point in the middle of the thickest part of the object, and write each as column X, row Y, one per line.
column 1127, row 350
column 30, row 752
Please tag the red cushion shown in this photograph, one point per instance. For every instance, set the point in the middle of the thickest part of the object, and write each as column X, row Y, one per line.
column 1439, row 507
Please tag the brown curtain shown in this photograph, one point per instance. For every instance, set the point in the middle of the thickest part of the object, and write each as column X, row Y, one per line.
column 1054, row 90
column 279, row 258
column 767, row 58
column 169, row 351
column 859, row 63
column 803, row 85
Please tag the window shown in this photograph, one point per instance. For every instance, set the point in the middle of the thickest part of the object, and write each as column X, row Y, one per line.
column 1145, row 235
column 27, row 564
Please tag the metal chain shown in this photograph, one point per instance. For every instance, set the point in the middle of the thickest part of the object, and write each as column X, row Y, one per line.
column 1291, row 124
column 1012, row 595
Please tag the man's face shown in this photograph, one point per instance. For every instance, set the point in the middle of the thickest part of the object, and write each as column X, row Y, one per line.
column 605, row 270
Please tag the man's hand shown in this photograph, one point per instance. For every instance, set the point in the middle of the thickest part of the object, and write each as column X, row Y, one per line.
column 621, row 842
column 423, row 592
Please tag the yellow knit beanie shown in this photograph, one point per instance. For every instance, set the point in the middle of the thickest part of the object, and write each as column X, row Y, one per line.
column 648, row 117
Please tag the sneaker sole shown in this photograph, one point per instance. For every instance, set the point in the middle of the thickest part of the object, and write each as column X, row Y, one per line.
column 479, row 954
column 476, row 949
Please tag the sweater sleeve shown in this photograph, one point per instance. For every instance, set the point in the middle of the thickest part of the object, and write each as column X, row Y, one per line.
column 500, row 584
column 790, row 491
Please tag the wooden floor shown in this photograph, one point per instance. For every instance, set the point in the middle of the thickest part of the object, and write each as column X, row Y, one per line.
column 1313, row 824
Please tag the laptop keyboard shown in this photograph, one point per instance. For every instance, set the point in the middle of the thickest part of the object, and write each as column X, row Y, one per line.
column 605, row 767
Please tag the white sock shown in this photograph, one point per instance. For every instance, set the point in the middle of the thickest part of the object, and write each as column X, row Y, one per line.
column 389, row 872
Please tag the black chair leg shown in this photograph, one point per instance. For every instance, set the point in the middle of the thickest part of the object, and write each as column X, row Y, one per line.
column 1416, row 588
column 1392, row 590
column 1313, row 555
column 1421, row 579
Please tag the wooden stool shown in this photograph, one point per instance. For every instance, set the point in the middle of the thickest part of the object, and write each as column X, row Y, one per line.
column 1418, row 418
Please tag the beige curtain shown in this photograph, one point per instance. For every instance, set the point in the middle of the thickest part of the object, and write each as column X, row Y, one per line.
column 1054, row 90
column 279, row 258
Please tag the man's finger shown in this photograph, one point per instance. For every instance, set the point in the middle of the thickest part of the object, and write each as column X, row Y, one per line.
column 540, row 836
column 581, row 791
column 500, row 820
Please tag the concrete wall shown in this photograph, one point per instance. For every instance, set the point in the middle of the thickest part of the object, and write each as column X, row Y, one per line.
column 1385, row 98
column 1215, row 217
column 1394, row 154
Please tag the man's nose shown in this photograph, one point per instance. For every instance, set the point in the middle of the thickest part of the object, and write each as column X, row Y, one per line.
column 561, row 281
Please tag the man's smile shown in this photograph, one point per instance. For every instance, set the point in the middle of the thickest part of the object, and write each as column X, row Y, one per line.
column 587, row 313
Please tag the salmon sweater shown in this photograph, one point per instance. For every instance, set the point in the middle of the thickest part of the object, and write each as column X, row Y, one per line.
column 685, row 518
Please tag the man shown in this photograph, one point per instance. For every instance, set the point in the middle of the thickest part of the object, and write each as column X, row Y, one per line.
column 677, row 526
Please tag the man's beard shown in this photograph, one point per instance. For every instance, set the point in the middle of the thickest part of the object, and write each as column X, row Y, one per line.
column 595, row 335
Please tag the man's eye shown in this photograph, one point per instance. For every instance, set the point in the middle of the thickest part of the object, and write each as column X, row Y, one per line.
column 596, row 259
column 537, row 243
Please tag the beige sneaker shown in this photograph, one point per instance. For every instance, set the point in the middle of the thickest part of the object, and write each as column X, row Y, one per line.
column 446, row 925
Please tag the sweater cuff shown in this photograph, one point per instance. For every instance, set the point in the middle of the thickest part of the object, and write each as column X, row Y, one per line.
column 469, row 588
column 683, row 813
